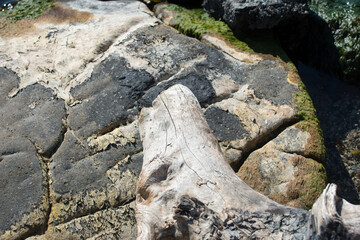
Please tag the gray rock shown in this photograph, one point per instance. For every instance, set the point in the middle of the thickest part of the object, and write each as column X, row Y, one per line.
column 197, row 82
column 112, row 223
column 258, row 14
column 108, row 98
column 34, row 112
column 283, row 171
column 8, row 80
column 31, row 128
column 24, row 202
column 84, row 182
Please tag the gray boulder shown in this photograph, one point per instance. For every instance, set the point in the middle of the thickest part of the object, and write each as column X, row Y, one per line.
column 76, row 91
column 258, row 14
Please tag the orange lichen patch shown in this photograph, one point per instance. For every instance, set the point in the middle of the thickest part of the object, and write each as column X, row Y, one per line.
column 13, row 29
column 60, row 14
column 293, row 77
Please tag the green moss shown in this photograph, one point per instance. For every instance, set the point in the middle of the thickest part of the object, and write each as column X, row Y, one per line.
column 27, row 9
column 314, row 187
column 309, row 122
column 306, row 109
column 309, row 182
column 196, row 23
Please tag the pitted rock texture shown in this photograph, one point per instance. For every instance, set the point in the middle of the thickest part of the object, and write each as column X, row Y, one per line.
column 74, row 93
column 24, row 191
column 31, row 128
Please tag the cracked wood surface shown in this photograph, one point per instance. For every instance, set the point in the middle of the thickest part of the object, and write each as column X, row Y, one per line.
column 187, row 190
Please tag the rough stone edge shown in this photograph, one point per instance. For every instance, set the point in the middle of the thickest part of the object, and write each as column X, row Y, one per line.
column 33, row 222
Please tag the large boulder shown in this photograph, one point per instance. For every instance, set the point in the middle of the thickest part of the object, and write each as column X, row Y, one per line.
column 303, row 34
column 283, row 171
column 75, row 90
column 258, row 14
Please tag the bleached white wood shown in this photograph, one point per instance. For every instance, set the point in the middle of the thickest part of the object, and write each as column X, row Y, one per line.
column 187, row 190
column 333, row 214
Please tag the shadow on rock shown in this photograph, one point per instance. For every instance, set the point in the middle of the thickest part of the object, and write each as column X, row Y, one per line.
column 338, row 109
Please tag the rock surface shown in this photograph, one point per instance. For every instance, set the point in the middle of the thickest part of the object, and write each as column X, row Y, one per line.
column 31, row 129
column 257, row 14
column 281, row 170
column 70, row 98
column 338, row 104
column 302, row 33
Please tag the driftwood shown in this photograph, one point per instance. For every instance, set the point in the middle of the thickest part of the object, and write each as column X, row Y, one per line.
column 187, row 190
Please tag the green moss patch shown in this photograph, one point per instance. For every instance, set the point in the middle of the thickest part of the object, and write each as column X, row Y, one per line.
column 310, row 181
column 196, row 23
column 27, row 9
column 309, row 122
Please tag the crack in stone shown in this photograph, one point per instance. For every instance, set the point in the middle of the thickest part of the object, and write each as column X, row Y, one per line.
column 44, row 162
column 45, row 158
column 91, row 212
column 262, row 140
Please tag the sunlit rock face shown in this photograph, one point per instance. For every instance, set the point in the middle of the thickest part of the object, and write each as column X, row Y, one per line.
column 72, row 89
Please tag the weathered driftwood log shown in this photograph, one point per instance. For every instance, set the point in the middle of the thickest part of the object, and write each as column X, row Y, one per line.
column 187, row 190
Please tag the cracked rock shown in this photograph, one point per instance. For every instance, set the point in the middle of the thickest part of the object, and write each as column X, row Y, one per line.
column 31, row 124
column 280, row 171
column 24, row 199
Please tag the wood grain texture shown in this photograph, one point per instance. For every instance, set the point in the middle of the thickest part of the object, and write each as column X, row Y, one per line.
column 187, row 190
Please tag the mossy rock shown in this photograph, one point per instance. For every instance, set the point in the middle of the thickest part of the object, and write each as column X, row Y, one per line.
column 197, row 23
column 307, row 117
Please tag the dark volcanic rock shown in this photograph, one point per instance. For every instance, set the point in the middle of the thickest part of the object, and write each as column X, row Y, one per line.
column 276, row 90
column 225, row 126
column 108, row 97
column 34, row 113
column 23, row 198
column 197, row 82
column 72, row 163
column 8, row 81
column 257, row 14
column 105, row 101
column 30, row 123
